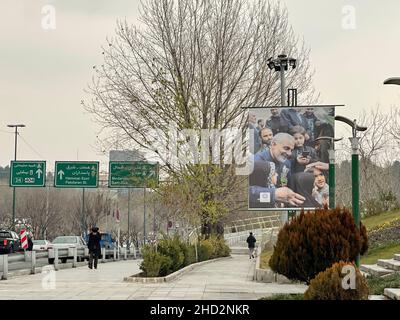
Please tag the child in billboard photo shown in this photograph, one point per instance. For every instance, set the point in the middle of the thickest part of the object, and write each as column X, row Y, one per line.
column 321, row 188
column 302, row 155
column 291, row 156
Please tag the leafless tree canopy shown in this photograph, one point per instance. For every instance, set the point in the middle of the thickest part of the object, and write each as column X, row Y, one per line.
column 194, row 64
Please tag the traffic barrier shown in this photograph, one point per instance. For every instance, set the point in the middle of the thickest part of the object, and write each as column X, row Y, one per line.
column 5, row 267
column 74, row 262
column 103, row 254
column 56, row 259
column 33, row 262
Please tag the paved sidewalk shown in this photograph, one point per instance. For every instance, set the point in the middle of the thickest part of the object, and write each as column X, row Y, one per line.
column 229, row 278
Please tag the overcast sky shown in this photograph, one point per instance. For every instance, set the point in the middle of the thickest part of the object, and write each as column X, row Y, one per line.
column 43, row 73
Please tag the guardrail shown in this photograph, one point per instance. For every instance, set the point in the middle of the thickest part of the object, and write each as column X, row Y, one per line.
column 62, row 254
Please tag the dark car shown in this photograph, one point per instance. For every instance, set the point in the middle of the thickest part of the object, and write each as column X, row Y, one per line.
column 9, row 242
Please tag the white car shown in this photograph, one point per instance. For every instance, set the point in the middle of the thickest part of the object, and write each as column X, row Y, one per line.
column 67, row 242
column 41, row 245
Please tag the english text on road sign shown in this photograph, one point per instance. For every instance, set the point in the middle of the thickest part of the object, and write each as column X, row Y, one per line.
column 76, row 174
column 28, row 173
column 132, row 174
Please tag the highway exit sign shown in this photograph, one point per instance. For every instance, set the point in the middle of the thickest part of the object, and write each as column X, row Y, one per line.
column 132, row 174
column 28, row 173
column 76, row 174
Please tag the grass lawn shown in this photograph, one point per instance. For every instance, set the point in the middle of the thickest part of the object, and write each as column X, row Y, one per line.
column 264, row 259
column 377, row 284
column 383, row 252
column 374, row 221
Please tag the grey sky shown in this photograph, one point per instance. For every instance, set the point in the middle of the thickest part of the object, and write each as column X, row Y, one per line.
column 43, row 72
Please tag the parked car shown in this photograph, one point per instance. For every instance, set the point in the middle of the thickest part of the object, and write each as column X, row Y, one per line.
column 41, row 245
column 107, row 241
column 9, row 242
column 67, row 242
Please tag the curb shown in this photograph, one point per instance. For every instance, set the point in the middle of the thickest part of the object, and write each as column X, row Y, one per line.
column 50, row 267
column 137, row 279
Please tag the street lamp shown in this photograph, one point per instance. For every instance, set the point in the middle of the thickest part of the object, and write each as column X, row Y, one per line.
column 16, row 126
column 395, row 80
column 354, row 171
column 282, row 64
column 331, row 179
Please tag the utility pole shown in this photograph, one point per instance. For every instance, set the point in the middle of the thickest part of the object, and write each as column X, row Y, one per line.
column 16, row 126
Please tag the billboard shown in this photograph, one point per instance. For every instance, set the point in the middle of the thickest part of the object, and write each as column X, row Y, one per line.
column 290, row 162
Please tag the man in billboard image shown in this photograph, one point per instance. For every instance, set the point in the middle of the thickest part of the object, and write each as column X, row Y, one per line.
column 276, row 123
column 266, row 136
column 310, row 119
column 292, row 159
column 255, row 136
column 267, row 194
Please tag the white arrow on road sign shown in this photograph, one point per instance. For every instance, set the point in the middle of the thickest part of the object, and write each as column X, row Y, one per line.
column 61, row 174
column 39, row 173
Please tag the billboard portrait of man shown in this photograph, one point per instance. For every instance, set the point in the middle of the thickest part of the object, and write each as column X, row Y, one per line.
column 290, row 169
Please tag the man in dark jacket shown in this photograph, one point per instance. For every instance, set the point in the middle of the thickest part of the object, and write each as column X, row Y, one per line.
column 94, row 247
column 251, row 240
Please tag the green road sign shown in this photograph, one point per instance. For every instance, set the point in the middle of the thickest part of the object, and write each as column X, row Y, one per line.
column 132, row 174
column 76, row 174
column 28, row 174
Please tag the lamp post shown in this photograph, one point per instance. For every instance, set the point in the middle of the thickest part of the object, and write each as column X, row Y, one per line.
column 16, row 126
column 331, row 178
column 354, row 171
column 281, row 64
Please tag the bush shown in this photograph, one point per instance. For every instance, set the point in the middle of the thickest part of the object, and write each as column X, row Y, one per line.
column 171, row 247
column 220, row 248
column 205, row 250
column 327, row 285
column 153, row 262
column 314, row 241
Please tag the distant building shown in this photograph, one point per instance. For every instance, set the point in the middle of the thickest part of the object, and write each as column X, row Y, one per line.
column 126, row 155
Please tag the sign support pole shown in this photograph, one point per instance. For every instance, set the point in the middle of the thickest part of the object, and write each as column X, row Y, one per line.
column 144, row 215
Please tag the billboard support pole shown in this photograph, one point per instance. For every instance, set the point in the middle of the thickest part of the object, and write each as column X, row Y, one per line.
column 331, row 180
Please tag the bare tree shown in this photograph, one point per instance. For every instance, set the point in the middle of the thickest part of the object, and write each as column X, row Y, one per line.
column 194, row 65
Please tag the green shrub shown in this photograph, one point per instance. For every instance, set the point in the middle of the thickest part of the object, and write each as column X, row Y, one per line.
column 220, row 248
column 205, row 250
column 171, row 247
column 313, row 241
column 153, row 262
column 327, row 285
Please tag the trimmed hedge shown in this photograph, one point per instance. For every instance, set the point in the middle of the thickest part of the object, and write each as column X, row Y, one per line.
column 328, row 285
column 313, row 241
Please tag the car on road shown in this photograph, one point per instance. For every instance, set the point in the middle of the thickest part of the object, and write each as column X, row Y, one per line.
column 67, row 242
column 41, row 245
column 9, row 242
column 107, row 241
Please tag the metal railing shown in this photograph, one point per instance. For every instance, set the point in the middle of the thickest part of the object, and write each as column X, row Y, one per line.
column 29, row 260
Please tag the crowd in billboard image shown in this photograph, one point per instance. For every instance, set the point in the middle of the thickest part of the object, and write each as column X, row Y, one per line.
column 290, row 161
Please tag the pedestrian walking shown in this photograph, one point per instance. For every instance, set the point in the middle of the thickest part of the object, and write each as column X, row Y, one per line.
column 94, row 247
column 251, row 240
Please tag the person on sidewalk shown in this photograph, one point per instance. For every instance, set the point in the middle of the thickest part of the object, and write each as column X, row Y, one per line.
column 94, row 247
column 251, row 240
